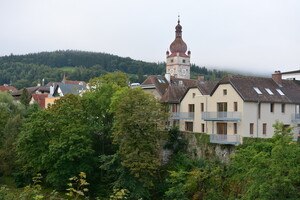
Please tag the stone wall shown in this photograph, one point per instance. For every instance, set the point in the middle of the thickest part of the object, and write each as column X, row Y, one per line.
column 200, row 147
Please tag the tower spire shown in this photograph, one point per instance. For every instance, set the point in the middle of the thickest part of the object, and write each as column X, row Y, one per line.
column 178, row 59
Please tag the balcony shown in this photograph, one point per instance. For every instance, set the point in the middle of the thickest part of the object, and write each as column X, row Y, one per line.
column 296, row 118
column 221, row 116
column 225, row 139
column 182, row 116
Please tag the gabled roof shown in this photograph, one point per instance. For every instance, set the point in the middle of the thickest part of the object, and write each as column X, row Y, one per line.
column 30, row 90
column 158, row 82
column 244, row 86
column 206, row 87
column 40, row 99
column 184, row 82
column 74, row 82
column 70, row 88
column 171, row 92
column 7, row 88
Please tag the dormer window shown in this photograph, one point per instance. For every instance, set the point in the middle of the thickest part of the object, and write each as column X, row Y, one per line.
column 257, row 90
column 269, row 91
column 280, row 92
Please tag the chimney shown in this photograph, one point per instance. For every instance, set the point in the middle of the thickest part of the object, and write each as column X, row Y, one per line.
column 277, row 77
column 200, row 78
column 168, row 77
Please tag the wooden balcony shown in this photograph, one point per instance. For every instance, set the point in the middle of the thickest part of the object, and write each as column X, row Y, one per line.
column 221, row 116
column 225, row 139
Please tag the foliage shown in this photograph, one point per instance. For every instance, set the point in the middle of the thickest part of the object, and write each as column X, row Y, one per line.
column 25, row 97
column 119, row 194
column 267, row 169
column 56, row 141
column 120, row 177
column 117, row 78
column 175, row 142
column 78, row 186
column 138, row 128
column 11, row 115
column 192, row 179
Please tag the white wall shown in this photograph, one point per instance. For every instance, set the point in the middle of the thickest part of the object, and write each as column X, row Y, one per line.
column 193, row 96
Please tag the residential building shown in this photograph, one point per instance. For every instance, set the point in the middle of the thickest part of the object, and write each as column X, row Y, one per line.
column 291, row 75
column 193, row 103
column 243, row 106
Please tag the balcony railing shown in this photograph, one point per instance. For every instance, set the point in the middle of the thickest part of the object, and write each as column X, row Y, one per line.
column 296, row 118
column 225, row 139
column 182, row 115
column 221, row 116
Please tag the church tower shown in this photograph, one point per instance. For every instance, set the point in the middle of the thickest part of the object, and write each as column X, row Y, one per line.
column 178, row 58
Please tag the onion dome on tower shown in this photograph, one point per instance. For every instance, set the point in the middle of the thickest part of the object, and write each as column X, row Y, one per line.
column 178, row 45
column 178, row 58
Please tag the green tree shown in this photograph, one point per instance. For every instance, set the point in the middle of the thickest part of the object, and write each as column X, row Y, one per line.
column 25, row 97
column 194, row 179
column 11, row 115
column 57, row 142
column 138, row 130
column 267, row 169
column 116, row 78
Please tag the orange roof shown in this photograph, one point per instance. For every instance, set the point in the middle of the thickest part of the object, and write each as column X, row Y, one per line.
column 40, row 99
column 5, row 88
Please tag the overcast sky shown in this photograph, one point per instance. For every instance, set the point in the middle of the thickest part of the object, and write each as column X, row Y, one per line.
column 258, row 36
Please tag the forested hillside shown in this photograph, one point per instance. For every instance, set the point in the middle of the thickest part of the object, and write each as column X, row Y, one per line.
column 28, row 70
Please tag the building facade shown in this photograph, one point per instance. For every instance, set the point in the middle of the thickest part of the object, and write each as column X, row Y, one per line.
column 241, row 106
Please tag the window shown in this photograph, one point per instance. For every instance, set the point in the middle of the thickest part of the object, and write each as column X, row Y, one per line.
column 222, row 106
column 202, row 107
column 224, row 92
column 191, row 107
column 235, row 106
column 257, row 90
column 235, row 128
column 172, row 60
column 283, row 108
column 251, row 128
column 264, row 128
column 280, row 92
column 174, row 108
column 183, row 61
column 194, row 95
column 203, row 128
column 271, row 107
column 189, row 126
column 269, row 91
